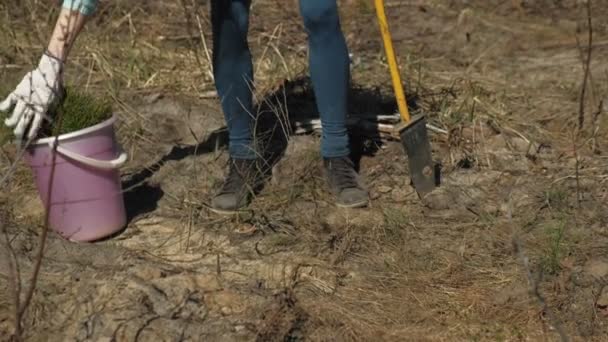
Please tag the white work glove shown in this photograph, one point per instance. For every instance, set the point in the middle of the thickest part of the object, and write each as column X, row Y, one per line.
column 33, row 97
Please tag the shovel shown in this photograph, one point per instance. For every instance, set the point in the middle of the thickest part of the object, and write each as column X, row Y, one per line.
column 412, row 130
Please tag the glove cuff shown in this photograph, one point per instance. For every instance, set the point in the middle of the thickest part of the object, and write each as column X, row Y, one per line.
column 48, row 62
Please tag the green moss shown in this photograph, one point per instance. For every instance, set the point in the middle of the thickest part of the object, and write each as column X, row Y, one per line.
column 78, row 110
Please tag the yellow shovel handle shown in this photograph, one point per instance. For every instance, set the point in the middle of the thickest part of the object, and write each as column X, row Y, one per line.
column 392, row 61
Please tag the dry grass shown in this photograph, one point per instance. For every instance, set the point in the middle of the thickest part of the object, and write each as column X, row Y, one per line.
column 503, row 81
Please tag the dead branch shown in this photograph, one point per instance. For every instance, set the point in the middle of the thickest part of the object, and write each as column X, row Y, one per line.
column 14, row 278
column 586, row 67
column 534, row 280
column 596, row 123
column 21, row 307
column 577, row 168
column 534, row 290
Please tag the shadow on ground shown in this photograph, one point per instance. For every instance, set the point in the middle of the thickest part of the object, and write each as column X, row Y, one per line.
column 276, row 117
column 141, row 197
column 294, row 102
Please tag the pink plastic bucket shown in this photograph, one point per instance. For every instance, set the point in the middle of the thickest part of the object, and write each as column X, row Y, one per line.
column 86, row 201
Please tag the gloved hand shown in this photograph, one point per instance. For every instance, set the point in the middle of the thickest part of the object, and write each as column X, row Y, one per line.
column 33, row 97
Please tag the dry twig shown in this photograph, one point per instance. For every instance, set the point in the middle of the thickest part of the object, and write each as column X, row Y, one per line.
column 14, row 278
column 21, row 306
column 586, row 66
column 534, row 280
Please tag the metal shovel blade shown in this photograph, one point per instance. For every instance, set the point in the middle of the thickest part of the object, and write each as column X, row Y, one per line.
column 418, row 148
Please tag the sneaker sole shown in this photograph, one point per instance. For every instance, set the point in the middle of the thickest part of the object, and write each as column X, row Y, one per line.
column 227, row 212
column 353, row 205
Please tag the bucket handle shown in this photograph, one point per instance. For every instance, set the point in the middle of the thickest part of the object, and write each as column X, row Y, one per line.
column 95, row 163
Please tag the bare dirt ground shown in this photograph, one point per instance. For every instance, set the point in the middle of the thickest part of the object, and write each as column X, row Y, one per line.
column 511, row 247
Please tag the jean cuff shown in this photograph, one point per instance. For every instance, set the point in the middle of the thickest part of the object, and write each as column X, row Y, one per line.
column 242, row 151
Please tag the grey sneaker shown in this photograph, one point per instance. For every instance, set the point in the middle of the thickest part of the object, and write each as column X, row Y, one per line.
column 239, row 186
column 344, row 183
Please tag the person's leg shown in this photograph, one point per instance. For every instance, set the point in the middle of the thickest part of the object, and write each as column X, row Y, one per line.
column 233, row 72
column 329, row 71
column 330, row 74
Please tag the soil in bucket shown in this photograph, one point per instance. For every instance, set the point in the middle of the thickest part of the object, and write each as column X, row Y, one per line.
column 85, row 201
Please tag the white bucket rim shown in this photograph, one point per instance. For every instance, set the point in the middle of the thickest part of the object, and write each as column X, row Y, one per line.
column 84, row 131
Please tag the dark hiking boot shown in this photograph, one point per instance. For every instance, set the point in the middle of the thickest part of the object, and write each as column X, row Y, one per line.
column 239, row 186
column 344, row 183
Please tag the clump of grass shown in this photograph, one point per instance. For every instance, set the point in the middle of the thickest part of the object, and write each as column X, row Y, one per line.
column 77, row 110
column 557, row 198
column 395, row 221
column 555, row 250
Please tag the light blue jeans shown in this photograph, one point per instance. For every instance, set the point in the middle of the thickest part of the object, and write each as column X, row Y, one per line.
column 329, row 71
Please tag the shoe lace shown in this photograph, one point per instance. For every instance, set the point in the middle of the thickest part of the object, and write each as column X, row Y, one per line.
column 343, row 173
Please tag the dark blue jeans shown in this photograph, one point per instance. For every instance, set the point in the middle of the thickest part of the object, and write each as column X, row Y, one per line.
column 233, row 72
